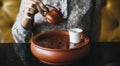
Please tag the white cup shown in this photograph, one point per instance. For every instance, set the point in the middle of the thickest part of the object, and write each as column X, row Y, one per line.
column 74, row 35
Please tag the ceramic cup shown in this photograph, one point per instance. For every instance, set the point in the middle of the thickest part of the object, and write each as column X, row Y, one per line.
column 74, row 35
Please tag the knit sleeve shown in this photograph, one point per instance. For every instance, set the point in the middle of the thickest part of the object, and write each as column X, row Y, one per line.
column 20, row 34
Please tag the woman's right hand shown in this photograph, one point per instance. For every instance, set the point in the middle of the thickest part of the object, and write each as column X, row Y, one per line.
column 31, row 8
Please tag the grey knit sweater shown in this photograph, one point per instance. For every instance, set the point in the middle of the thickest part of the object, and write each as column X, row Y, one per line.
column 77, row 13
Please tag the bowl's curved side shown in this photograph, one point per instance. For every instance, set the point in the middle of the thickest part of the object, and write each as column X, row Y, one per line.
column 59, row 57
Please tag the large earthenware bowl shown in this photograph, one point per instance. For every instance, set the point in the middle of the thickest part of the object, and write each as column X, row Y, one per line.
column 58, row 56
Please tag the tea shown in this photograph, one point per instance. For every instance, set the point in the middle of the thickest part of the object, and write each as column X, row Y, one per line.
column 56, row 42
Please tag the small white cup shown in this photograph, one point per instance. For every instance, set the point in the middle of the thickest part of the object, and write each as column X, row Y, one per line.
column 74, row 35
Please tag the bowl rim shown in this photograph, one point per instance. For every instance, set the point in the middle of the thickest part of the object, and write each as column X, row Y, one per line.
column 83, row 44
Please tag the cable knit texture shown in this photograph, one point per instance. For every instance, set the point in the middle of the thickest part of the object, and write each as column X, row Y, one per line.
column 76, row 12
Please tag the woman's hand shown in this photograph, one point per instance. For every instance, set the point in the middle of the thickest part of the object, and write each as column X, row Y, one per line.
column 31, row 8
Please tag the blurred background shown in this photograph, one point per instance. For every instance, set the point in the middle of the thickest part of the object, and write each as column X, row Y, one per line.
column 8, row 12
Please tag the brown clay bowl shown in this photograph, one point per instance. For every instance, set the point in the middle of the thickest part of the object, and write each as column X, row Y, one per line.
column 58, row 56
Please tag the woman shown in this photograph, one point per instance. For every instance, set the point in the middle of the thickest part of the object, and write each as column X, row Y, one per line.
column 30, row 21
column 73, row 11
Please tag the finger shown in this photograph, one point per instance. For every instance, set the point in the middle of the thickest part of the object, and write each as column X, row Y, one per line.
column 35, row 3
column 41, row 5
column 31, row 10
column 31, row 4
column 40, row 10
column 31, row 7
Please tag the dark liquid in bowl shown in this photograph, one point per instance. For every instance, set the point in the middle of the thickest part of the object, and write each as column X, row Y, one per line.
column 55, row 42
